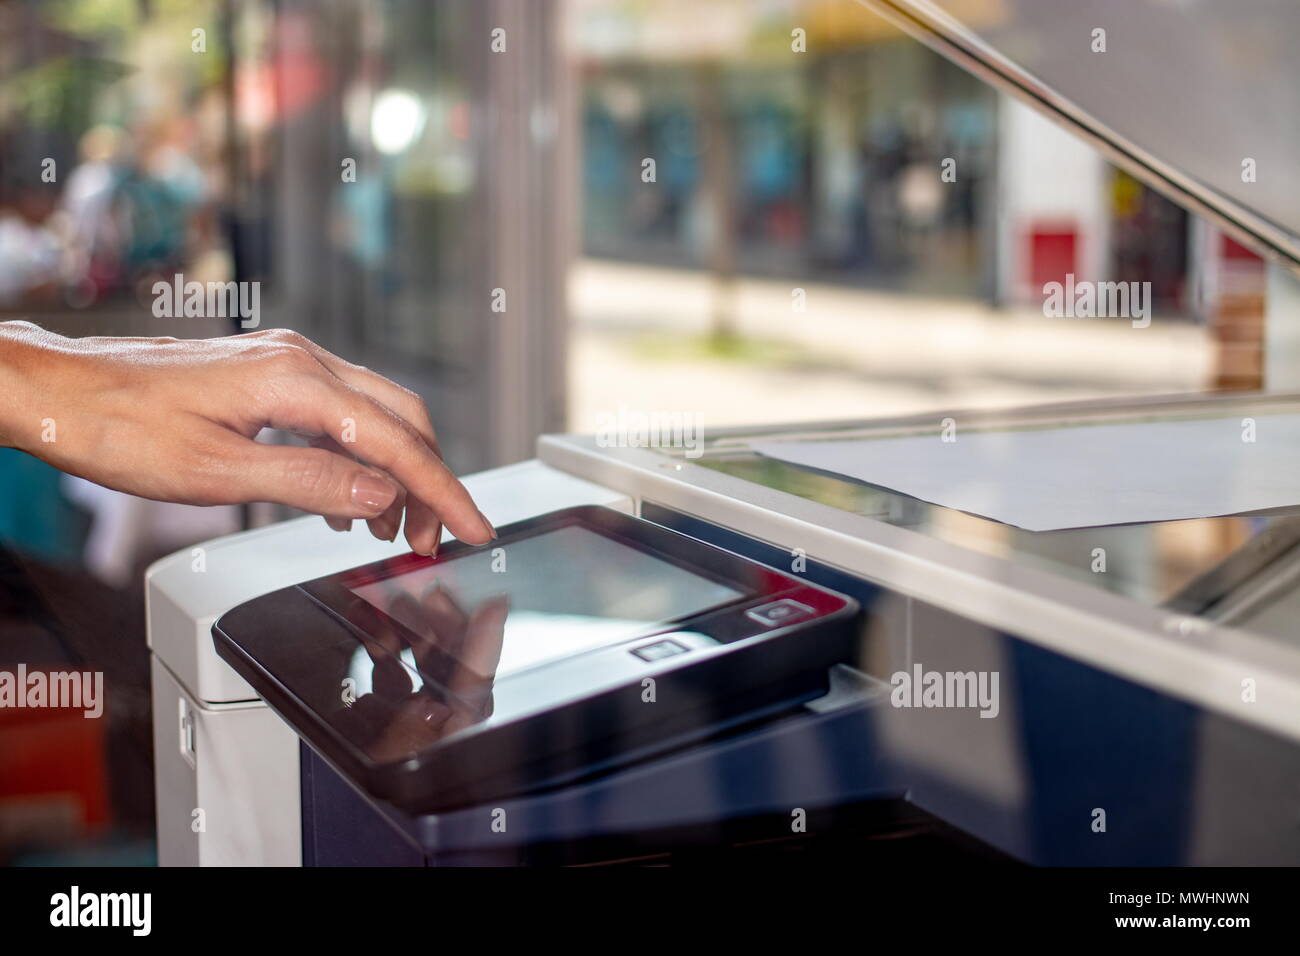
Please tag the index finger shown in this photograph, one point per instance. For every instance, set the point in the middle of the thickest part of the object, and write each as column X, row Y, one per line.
column 421, row 527
column 384, row 439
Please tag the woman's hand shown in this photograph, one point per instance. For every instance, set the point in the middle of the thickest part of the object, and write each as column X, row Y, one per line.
column 175, row 420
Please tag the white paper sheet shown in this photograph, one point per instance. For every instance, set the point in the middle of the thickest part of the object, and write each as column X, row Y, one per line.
column 1078, row 476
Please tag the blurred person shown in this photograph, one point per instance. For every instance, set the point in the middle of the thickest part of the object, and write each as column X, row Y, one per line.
column 920, row 195
column 30, row 248
column 159, row 191
column 93, row 238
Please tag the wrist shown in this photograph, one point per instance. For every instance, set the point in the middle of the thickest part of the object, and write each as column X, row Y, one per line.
column 26, row 352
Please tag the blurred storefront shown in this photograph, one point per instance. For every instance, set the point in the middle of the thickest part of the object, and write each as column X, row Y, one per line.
column 827, row 139
column 804, row 149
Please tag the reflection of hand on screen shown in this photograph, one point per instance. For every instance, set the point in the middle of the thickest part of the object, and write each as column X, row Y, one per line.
column 410, row 719
column 444, row 632
column 388, row 677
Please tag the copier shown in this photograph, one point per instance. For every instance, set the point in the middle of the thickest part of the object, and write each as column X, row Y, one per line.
column 1141, row 709
column 1117, row 732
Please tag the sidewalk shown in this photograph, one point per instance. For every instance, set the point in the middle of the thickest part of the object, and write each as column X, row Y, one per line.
column 639, row 340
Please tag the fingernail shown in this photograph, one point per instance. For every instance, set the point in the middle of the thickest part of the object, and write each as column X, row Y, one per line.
column 491, row 529
column 372, row 494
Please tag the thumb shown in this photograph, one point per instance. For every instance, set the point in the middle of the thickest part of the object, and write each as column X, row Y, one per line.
column 318, row 481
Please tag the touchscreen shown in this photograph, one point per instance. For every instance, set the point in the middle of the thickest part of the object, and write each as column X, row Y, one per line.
column 540, row 598
column 469, row 621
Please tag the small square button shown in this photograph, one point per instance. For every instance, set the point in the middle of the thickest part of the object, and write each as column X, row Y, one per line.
column 779, row 612
column 658, row 650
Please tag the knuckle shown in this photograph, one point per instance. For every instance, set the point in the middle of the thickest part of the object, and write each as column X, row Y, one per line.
column 290, row 358
column 287, row 337
column 206, row 473
column 409, row 435
column 312, row 474
column 416, row 411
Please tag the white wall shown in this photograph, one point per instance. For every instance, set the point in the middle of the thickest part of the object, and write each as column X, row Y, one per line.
column 1046, row 174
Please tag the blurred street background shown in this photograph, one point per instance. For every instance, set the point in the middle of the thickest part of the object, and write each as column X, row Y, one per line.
column 730, row 208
